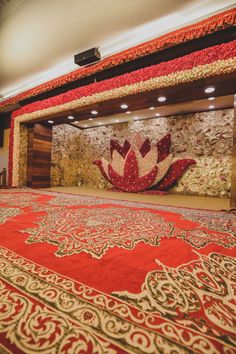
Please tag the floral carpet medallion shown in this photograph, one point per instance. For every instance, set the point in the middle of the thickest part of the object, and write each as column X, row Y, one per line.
column 95, row 230
column 8, row 213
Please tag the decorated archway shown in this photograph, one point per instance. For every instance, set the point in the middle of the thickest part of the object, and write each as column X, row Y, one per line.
column 184, row 77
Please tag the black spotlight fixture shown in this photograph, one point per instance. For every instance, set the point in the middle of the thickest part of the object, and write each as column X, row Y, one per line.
column 87, row 57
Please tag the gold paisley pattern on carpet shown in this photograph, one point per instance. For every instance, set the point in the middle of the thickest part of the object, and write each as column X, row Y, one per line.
column 199, row 295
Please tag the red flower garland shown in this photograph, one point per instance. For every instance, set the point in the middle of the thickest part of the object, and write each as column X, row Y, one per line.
column 201, row 57
column 197, row 30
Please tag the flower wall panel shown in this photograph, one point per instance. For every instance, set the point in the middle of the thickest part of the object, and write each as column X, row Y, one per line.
column 206, row 137
column 23, row 155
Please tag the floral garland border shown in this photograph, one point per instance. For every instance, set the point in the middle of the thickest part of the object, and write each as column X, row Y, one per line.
column 213, row 61
column 212, row 24
column 186, row 62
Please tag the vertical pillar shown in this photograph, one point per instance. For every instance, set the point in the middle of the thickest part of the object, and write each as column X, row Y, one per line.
column 233, row 176
column 39, row 156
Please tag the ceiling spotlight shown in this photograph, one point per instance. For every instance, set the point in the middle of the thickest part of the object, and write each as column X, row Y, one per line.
column 161, row 99
column 99, row 123
column 128, row 112
column 211, row 106
column 157, row 114
column 76, row 122
column 117, row 121
column 211, row 98
column 70, row 117
column 151, row 108
column 123, row 106
column 85, row 126
column 136, row 118
column 210, row 89
column 90, row 118
column 51, row 121
column 94, row 112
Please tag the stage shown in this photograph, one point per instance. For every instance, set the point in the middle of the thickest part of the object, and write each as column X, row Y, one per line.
column 210, row 203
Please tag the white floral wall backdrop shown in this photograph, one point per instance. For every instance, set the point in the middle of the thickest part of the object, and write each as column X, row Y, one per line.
column 206, row 137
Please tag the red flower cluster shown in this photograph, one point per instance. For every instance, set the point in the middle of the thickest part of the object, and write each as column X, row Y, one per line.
column 200, row 29
column 157, row 171
column 201, row 57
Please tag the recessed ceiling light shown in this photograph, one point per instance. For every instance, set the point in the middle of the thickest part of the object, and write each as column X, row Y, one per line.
column 136, row 118
column 51, row 121
column 211, row 98
column 157, row 114
column 85, row 126
column 70, row 117
column 117, row 121
column 99, row 123
column 211, row 106
column 210, row 89
column 128, row 112
column 76, row 122
column 151, row 108
column 123, row 106
column 94, row 112
column 161, row 99
column 90, row 118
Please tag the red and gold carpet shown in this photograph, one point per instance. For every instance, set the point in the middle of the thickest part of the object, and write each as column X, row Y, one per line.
column 82, row 274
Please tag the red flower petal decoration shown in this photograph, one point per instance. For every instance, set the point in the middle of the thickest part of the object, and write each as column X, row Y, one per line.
column 100, row 166
column 145, row 148
column 130, row 181
column 175, row 171
column 163, row 147
column 114, row 145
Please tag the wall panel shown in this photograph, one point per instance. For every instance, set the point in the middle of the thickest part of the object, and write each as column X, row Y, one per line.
column 39, row 156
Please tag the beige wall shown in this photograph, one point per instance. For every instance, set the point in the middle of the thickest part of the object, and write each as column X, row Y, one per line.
column 4, row 150
column 207, row 137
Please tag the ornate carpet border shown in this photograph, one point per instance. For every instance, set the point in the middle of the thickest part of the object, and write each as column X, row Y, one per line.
column 70, row 308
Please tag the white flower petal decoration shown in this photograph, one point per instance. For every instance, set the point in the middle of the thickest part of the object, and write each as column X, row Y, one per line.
column 163, row 167
column 105, row 166
column 146, row 164
column 118, row 163
column 137, row 141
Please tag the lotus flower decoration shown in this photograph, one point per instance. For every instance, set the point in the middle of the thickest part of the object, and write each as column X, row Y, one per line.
column 139, row 165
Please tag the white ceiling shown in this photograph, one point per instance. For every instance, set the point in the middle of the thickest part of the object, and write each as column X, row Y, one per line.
column 38, row 38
